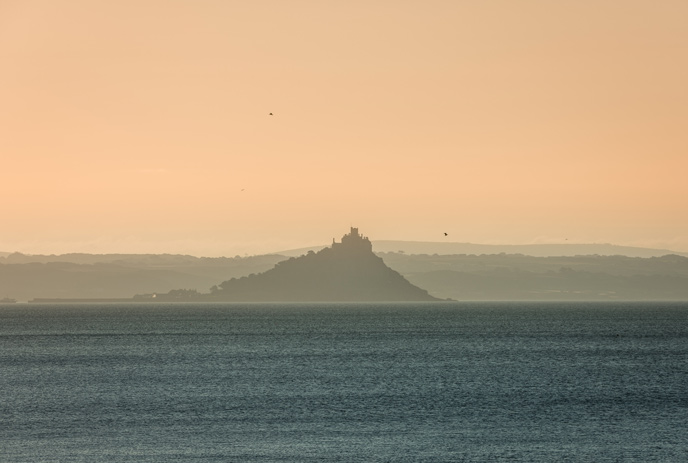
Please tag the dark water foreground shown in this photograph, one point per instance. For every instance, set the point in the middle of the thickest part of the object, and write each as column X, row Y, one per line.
column 350, row 382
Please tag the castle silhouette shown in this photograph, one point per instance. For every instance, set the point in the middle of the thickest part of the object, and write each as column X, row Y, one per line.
column 353, row 242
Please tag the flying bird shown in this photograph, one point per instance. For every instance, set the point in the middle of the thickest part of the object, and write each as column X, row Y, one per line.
column 270, row 114
column 445, row 233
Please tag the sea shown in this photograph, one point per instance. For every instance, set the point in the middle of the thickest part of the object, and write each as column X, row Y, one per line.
column 384, row 382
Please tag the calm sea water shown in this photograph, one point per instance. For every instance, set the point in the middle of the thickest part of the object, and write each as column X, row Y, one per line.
column 434, row 382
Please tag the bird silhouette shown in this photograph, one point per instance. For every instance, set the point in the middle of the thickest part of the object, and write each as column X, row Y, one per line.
column 270, row 114
column 445, row 233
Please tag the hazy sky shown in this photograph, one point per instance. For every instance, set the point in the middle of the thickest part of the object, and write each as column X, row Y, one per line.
column 144, row 126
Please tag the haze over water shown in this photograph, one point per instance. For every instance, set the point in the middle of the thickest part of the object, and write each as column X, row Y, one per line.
column 536, row 382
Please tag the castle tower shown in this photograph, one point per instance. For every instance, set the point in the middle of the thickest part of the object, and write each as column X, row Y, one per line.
column 355, row 241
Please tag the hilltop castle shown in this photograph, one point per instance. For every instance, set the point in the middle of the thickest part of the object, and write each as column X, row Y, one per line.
column 347, row 271
column 353, row 242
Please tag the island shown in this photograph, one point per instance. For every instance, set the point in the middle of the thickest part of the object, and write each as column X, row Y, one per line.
column 346, row 271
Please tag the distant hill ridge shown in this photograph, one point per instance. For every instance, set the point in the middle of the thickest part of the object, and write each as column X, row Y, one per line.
column 468, row 275
column 535, row 250
column 380, row 246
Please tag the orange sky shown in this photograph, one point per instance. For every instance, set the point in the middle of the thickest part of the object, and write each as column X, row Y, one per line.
column 143, row 126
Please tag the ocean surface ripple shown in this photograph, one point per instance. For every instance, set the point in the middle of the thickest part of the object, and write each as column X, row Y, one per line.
column 428, row 382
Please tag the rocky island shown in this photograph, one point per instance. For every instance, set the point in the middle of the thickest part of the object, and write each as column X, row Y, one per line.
column 346, row 271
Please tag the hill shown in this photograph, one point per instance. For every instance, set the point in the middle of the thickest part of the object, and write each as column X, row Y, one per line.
column 460, row 276
column 535, row 250
column 99, row 276
column 519, row 277
column 346, row 271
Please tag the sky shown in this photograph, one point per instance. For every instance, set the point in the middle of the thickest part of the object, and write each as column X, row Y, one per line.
column 143, row 126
